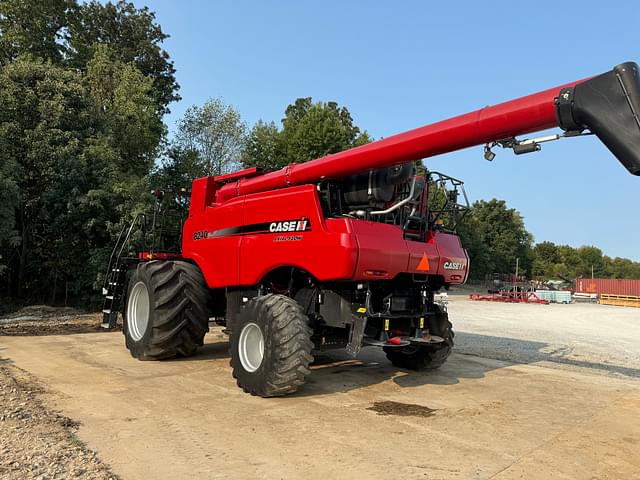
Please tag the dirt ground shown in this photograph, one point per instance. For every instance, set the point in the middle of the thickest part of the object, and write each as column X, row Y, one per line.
column 36, row 442
column 44, row 320
column 531, row 391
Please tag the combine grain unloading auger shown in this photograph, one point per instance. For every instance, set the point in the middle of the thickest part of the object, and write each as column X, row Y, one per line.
column 343, row 251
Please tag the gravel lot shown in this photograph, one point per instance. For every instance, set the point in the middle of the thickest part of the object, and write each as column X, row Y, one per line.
column 532, row 391
column 597, row 337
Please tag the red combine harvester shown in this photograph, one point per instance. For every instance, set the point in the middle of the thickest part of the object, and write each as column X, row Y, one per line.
column 343, row 251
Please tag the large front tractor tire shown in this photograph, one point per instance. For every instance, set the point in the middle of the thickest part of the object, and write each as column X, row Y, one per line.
column 167, row 310
column 271, row 346
column 428, row 357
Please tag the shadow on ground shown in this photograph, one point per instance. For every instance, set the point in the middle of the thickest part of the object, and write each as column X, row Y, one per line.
column 474, row 356
column 526, row 351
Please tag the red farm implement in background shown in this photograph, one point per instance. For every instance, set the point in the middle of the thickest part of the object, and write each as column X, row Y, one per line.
column 343, row 251
column 509, row 297
column 508, row 288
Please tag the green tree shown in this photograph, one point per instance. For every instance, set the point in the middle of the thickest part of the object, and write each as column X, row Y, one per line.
column 176, row 170
column 9, row 236
column 495, row 236
column 34, row 27
column 132, row 35
column 216, row 133
column 82, row 92
column 75, row 176
column 551, row 261
column 43, row 120
column 545, row 257
column 309, row 131
column 265, row 147
column 622, row 267
column 591, row 260
column 123, row 101
column 68, row 34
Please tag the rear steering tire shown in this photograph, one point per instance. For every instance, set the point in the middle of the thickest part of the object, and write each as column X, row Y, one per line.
column 271, row 346
column 427, row 357
column 167, row 310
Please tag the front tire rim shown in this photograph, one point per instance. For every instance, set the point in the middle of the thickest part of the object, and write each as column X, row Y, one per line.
column 251, row 347
column 138, row 311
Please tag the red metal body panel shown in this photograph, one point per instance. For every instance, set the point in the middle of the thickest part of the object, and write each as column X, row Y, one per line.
column 219, row 258
column 516, row 117
column 333, row 249
column 324, row 254
column 609, row 286
column 244, row 258
column 382, row 249
column 450, row 252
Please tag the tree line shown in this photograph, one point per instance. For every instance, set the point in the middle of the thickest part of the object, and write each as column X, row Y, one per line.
column 84, row 88
column 496, row 238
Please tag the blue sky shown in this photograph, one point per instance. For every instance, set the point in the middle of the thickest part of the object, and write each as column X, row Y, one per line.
column 399, row 65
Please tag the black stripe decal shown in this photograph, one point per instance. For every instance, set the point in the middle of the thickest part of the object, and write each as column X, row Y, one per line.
column 276, row 227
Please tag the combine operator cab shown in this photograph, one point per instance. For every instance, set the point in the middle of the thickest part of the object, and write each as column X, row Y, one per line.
column 342, row 251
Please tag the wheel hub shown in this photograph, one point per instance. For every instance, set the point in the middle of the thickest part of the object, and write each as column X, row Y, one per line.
column 138, row 311
column 251, row 347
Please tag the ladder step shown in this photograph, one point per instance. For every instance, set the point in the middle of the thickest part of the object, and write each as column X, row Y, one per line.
column 106, row 310
column 110, row 319
column 109, row 297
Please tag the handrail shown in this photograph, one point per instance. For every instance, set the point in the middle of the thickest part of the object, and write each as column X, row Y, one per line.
column 123, row 243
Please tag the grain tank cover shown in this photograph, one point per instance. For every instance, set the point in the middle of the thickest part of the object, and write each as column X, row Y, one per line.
column 609, row 106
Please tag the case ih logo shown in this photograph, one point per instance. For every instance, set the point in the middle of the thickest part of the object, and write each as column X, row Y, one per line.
column 301, row 225
column 297, row 225
column 453, row 266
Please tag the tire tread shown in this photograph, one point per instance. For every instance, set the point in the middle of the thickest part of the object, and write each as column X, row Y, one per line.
column 290, row 335
column 425, row 358
column 181, row 310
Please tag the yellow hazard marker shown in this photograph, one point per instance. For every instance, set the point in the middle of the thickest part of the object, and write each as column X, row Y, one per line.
column 386, row 324
column 421, row 322
column 362, row 310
